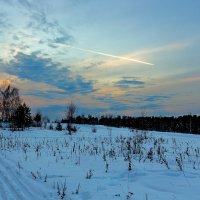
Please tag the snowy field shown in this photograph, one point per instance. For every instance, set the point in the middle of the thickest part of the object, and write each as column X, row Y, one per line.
column 112, row 163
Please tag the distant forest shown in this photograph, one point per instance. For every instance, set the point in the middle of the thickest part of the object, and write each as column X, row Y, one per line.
column 182, row 124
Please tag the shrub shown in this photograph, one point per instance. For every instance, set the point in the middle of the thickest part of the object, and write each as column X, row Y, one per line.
column 94, row 129
column 71, row 129
column 59, row 127
column 50, row 127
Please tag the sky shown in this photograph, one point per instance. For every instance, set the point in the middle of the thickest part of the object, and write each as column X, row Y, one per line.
column 108, row 57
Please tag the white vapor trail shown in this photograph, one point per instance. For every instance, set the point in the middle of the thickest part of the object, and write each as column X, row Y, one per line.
column 109, row 55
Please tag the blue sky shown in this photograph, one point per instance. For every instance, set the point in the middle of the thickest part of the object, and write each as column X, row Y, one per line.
column 49, row 51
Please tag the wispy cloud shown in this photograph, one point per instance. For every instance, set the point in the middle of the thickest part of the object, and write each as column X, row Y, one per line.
column 164, row 48
column 155, row 98
column 126, row 83
column 39, row 21
column 26, row 4
column 150, row 107
column 176, row 83
column 112, row 63
column 109, row 91
column 35, row 25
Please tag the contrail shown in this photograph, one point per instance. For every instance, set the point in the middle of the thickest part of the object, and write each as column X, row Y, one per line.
column 109, row 55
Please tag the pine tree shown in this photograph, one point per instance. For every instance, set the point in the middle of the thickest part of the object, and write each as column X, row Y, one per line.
column 28, row 119
column 21, row 117
column 38, row 119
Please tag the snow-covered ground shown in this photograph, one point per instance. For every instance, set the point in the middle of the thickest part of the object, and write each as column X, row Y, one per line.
column 113, row 163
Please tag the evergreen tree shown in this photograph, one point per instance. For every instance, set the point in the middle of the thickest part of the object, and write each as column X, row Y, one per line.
column 21, row 117
column 38, row 119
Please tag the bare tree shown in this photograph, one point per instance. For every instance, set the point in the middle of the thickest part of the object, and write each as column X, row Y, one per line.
column 9, row 101
column 71, row 109
column 45, row 121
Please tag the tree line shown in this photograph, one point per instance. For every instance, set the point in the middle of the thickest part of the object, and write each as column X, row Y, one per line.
column 183, row 124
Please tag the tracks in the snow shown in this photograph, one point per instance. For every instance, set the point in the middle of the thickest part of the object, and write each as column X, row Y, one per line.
column 15, row 186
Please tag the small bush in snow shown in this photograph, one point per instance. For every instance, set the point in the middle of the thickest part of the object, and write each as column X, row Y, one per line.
column 94, row 129
column 71, row 129
column 59, row 126
column 61, row 189
column 50, row 127
column 89, row 174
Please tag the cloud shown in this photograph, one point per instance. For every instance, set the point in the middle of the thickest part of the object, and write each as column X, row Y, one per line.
column 155, row 98
column 23, row 3
column 128, row 82
column 39, row 21
column 35, row 20
column 108, row 91
column 185, row 78
column 64, row 39
column 44, row 70
column 4, row 24
column 89, row 101
column 150, row 106
column 175, row 85
column 164, row 48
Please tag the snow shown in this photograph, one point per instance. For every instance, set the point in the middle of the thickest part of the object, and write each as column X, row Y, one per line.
column 42, row 164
